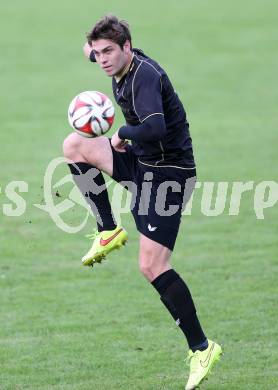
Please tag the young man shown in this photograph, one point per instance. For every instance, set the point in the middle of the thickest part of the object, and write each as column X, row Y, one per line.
column 159, row 162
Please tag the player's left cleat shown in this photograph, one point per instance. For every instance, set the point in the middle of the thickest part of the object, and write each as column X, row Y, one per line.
column 201, row 363
column 104, row 242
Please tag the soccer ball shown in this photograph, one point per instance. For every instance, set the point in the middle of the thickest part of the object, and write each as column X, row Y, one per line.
column 91, row 114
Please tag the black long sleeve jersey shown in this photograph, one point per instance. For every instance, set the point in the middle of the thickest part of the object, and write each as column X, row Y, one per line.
column 155, row 118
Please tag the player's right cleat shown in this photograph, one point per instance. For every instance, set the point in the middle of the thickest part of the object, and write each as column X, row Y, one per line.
column 104, row 242
column 201, row 363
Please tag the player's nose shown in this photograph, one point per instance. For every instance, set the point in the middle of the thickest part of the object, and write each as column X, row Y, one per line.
column 103, row 59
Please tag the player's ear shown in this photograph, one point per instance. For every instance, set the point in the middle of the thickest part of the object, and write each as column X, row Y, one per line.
column 126, row 47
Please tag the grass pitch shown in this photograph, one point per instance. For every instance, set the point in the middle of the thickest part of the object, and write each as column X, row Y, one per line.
column 66, row 327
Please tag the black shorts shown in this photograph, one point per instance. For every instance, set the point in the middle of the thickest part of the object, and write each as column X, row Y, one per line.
column 159, row 194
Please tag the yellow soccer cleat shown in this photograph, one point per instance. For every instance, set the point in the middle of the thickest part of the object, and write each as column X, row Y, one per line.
column 104, row 242
column 201, row 363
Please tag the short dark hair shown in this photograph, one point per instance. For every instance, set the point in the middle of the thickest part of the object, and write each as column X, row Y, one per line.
column 110, row 27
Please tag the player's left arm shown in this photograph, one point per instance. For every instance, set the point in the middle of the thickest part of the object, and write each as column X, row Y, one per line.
column 148, row 106
column 151, row 129
column 118, row 143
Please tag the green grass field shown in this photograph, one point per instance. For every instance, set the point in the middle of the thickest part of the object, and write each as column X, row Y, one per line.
column 66, row 327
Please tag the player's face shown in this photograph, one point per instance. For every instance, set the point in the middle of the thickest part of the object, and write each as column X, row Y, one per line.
column 111, row 58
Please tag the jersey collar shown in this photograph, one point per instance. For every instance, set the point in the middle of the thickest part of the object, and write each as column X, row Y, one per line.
column 124, row 71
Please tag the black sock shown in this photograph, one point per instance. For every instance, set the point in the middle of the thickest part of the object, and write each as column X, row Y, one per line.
column 91, row 184
column 176, row 296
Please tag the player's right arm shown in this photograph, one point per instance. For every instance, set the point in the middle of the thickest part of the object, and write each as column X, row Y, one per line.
column 88, row 51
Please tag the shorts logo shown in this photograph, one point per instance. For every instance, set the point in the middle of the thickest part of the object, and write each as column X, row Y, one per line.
column 151, row 228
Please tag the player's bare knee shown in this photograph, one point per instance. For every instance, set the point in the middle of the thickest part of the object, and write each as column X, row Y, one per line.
column 146, row 264
column 145, row 271
column 71, row 146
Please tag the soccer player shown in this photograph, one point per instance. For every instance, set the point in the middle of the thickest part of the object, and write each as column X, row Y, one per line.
column 159, row 162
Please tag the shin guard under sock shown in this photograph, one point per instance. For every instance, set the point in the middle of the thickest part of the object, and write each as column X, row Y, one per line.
column 91, row 184
column 176, row 296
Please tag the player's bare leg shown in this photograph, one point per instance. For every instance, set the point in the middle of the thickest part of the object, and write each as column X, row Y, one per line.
column 154, row 258
column 94, row 151
column 91, row 157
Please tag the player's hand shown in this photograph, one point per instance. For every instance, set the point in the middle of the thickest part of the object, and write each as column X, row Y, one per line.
column 87, row 49
column 118, row 144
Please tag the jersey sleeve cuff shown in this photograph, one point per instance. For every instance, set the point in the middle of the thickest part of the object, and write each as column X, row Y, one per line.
column 92, row 57
column 121, row 132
